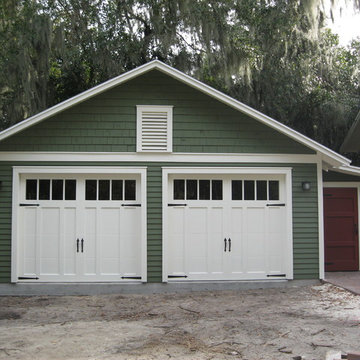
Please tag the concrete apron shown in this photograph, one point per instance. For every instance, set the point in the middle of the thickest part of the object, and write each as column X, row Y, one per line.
column 60, row 289
column 348, row 280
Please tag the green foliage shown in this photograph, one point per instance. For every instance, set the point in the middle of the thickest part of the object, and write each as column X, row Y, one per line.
column 273, row 55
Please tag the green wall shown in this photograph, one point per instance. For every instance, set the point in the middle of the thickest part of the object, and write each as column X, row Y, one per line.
column 332, row 176
column 305, row 214
column 107, row 123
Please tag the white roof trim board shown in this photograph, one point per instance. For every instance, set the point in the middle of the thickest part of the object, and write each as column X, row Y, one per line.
column 328, row 155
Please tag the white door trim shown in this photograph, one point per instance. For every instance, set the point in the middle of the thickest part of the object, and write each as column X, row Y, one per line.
column 22, row 170
column 287, row 172
column 344, row 184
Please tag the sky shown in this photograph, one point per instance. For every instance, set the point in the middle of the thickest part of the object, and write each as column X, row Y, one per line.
column 346, row 21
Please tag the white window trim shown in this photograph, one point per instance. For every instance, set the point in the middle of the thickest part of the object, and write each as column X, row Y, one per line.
column 18, row 171
column 287, row 172
column 163, row 108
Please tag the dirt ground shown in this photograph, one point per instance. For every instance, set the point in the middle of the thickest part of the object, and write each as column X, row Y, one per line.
column 254, row 324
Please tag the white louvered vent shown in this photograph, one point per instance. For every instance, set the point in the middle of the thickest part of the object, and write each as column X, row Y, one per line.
column 154, row 128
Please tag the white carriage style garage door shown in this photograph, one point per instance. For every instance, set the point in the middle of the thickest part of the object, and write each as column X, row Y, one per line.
column 80, row 227
column 234, row 226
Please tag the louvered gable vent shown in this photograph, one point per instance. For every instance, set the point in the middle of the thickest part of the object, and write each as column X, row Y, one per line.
column 154, row 128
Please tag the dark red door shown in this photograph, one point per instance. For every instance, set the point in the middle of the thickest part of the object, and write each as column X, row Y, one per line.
column 341, row 229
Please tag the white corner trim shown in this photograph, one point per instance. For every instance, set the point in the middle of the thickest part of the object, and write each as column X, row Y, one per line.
column 331, row 155
column 321, row 221
column 157, row 157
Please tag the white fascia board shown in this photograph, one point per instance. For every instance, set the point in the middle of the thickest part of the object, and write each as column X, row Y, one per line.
column 350, row 170
column 157, row 157
column 178, row 75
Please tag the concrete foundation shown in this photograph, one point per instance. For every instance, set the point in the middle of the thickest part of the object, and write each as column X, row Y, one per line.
column 61, row 289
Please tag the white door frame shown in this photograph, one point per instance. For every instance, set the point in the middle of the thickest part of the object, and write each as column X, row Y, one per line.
column 75, row 170
column 344, row 184
column 287, row 172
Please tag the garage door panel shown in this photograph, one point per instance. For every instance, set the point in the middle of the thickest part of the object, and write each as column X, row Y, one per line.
column 215, row 244
column 197, row 235
column 70, row 221
column 109, row 240
column 176, row 217
column 239, row 234
column 130, row 248
column 29, row 235
column 91, row 252
column 50, row 241
column 276, row 236
column 89, row 229
column 236, row 265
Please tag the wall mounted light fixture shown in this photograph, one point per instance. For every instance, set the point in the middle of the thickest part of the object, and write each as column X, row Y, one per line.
column 306, row 185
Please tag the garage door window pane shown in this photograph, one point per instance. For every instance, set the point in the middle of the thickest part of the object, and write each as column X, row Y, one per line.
column 204, row 189
column 57, row 189
column 117, row 190
column 179, row 189
column 236, row 189
column 216, row 190
column 249, row 190
column 31, row 189
column 130, row 190
column 261, row 190
column 90, row 190
column 70, row 189
column 44, row 189
column 104, row 189
column 191, row 189
column 273, row 190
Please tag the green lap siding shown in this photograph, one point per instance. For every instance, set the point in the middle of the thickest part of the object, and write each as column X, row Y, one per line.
column 305, row 214
column 332, row 176
column 107, row 123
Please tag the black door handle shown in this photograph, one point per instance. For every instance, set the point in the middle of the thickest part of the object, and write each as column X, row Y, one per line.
column 77, row 245
column 225, row 245
column 229, row 244
column 82, row 245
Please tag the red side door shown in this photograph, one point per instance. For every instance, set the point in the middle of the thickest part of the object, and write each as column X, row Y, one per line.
column 341, row 229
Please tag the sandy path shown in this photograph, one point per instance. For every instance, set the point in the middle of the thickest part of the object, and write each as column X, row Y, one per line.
column 253, row 324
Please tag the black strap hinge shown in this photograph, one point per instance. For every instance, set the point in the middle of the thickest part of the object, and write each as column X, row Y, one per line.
column 137, row 205
column 177, row 204
column 29, row 204
column 275, row 204
column 277, row 275
column 27, row 278
column 132, row 277
column 176, row 276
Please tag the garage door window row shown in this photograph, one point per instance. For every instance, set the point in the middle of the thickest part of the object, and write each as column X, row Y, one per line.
column 54, row 189
column 110, row 190
column 255, row 190
column 191, row 189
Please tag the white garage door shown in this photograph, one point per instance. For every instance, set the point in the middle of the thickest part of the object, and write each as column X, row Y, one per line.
column 80, row 227
column 231, row 227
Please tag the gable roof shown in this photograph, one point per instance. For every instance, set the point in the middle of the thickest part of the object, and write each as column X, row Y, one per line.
column 328, row 155
column 352, row 139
